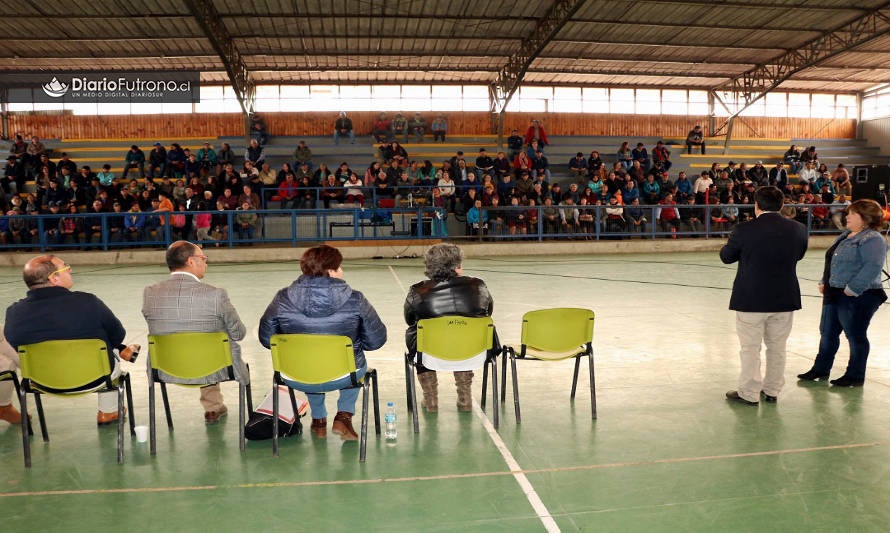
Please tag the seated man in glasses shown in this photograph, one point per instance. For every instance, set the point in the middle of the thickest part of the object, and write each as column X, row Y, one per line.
column 182, row 303
column 52, row 311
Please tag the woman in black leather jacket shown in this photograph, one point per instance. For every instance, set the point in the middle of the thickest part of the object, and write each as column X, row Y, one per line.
column 447, row 292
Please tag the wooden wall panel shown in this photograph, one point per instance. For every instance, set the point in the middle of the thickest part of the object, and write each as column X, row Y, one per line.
column 470, row 123
column 127, row 127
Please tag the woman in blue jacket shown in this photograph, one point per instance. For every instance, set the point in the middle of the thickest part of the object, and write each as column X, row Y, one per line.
column 851, row 293
column 320, row 302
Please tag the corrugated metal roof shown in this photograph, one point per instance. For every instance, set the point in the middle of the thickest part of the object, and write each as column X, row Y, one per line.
column 671, row 43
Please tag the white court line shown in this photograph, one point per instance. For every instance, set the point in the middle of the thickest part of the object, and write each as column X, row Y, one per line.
column 526, row 486
column 515, row 469
column 396, row 276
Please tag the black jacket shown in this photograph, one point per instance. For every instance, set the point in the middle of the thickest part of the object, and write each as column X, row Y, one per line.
column 767, row 249
column 54, row 313
column 460, row 295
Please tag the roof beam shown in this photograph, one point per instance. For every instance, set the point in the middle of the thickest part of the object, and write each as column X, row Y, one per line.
column 742, row 91
column 208, row 18
column 510, row 75
column 513, row 16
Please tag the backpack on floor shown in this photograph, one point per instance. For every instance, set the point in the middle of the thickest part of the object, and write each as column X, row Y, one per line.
column 260, row 424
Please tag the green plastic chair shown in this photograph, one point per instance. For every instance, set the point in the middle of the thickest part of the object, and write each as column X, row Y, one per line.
column 191, row 355
column 10, row 375
column 452, row 343
column 71, row 367
column 554, row 335
column 314, row 360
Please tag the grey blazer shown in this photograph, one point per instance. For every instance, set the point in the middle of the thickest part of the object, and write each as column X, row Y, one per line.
column 180, row 304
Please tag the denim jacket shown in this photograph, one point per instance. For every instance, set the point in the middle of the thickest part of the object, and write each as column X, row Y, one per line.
column 857, row 261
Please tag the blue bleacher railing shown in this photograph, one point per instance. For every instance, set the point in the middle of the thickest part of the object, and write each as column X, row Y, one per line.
column 296, row 227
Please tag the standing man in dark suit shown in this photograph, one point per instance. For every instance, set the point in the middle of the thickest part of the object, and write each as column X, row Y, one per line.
column 183, row 303
column 765, row 293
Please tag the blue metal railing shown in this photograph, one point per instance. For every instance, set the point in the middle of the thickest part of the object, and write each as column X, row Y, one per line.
column 298, row 226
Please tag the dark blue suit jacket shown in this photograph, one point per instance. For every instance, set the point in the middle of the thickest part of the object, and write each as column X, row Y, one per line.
column 767, row 250
column 54, row 313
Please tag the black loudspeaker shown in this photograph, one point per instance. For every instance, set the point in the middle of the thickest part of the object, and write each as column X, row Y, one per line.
column 871, row 182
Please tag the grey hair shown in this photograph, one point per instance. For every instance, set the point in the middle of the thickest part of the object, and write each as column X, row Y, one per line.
column 442, row 261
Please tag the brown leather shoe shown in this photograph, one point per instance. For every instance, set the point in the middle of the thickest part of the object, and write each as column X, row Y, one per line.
column 212, row 417
column 343, row 426
column 11, row 414
column 319, row 427
column 103, row 419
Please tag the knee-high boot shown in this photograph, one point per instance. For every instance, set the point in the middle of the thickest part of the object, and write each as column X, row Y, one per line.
column 430, row 385
column 464, row 381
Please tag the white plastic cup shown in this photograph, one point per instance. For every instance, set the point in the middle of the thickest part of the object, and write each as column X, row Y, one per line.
column 141, row 433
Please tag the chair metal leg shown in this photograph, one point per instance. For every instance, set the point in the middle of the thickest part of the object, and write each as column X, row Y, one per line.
column 494, row 393
column 363, row 437
column 592, row 386
column 293, row 404
column 274, row 418
column 515, row 388
column 166, row 406
column 129, row 385
column 41, row 417
column 18, row 395
column 26, row 427
column 412, row 396
column 485, row 384
column 575, row 377
column 507, row 350
column 249, row 393
column 121, row 392
column 408, row 378
column 152, row 428
column 242, row 400
column 375, row 398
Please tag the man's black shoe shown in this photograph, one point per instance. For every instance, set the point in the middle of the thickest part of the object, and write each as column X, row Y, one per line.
column 767, row 398
column 734, row 396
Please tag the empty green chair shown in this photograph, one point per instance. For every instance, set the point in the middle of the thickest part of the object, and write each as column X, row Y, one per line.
column 451, row 343
column 191, row 356
column 554, row 335
column 10, row 375
column 316, row 359
column 71, row 367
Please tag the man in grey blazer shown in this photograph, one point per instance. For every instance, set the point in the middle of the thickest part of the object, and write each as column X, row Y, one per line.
column 182, row 303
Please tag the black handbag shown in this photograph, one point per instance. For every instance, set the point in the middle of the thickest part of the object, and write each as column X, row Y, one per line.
column 259, row 425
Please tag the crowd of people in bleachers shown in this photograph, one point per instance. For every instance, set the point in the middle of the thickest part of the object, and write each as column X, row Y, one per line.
column 504, row 193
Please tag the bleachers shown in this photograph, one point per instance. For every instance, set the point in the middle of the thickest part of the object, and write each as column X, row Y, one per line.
column 851, row 152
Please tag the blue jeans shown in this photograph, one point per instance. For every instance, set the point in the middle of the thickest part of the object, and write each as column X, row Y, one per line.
column 315, row 393
column 852, row 316
column 337, row 136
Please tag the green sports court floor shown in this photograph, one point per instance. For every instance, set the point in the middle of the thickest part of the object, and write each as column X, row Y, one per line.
column 667, row 453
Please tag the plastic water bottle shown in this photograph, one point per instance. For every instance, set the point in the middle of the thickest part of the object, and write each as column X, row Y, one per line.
column 390, row 418
column 410, row 200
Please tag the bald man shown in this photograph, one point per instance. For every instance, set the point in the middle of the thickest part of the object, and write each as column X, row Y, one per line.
column 183, row 303
column 52, row 311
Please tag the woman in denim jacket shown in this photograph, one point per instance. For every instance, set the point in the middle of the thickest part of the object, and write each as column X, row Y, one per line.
column 851, row 289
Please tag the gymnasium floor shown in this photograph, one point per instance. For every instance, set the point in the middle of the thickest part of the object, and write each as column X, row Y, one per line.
column 667, row 453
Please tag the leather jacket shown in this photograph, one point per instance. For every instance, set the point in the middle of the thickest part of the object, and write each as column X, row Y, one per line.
column 460, row 295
